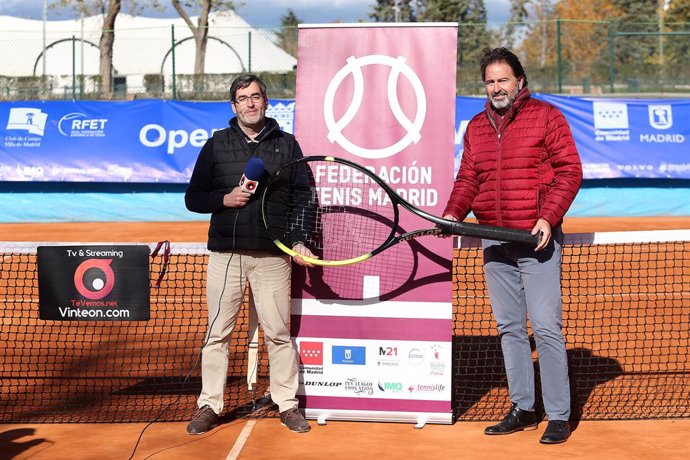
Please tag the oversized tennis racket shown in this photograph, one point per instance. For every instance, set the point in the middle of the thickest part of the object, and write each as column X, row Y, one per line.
column 346, row 214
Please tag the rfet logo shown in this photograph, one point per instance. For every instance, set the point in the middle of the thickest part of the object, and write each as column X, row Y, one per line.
column 78, row 124
column 311, row 353
column 94, row 278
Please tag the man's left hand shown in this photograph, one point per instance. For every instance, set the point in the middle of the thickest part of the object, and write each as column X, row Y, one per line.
column 543, row 228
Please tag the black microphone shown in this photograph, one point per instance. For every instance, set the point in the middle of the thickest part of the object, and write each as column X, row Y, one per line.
column 252, row 173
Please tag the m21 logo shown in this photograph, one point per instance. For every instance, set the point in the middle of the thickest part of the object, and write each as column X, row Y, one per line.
column 388, row 351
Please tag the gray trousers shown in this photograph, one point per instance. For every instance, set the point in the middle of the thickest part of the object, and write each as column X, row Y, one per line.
column 269, row 278
column 525, row 284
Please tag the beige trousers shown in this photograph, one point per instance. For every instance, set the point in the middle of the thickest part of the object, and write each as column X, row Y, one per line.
column 269, row 279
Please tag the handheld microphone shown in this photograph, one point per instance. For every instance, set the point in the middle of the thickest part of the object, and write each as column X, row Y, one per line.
column 252, row 173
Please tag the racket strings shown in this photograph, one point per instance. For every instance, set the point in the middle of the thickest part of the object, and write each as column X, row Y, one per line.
column 335, row 213
column 339, row 213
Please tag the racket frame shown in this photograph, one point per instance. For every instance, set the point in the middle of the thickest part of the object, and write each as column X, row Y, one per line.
column 443, row 226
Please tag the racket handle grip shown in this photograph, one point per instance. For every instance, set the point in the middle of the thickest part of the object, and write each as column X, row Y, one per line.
column 491, row 232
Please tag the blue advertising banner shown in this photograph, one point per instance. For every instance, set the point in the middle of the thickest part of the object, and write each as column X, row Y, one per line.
column 616, row 138
column 145, row 141
column 634, row 138
column 155, row 141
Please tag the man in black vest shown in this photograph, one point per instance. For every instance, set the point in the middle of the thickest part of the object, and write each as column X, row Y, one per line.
column 242, row 251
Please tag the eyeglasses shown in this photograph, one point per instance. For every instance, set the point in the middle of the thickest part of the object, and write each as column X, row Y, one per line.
column 256, row 97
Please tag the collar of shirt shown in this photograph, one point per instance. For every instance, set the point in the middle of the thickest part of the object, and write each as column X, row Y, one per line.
column 501, row 120
column 255, row 139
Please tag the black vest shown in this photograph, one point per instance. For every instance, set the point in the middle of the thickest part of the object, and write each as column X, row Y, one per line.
column 243, row 228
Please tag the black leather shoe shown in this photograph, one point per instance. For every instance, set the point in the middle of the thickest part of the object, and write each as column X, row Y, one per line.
column 557, row 431
column 515, row 420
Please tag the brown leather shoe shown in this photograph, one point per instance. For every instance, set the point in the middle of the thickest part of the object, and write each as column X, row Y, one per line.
column 204, row 420
column 515, row 420
column 293, row 419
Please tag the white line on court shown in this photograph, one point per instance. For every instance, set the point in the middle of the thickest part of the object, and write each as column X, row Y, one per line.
column 241, row 439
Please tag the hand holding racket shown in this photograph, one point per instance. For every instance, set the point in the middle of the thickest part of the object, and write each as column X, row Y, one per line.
column 303, row 255
column 344, row 213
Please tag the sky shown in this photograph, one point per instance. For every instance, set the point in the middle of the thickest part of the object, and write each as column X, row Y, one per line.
column 261, row 13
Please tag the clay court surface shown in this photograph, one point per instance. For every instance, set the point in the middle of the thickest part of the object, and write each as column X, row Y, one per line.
column 146, row 232
column 266, row 439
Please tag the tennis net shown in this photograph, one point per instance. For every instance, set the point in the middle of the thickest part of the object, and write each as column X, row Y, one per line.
column 626, row 321
column 626, row 303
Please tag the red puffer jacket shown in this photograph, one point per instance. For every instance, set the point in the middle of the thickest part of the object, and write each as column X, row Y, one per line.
column 530, row 169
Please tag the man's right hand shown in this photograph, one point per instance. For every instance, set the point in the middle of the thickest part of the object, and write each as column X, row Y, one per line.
column 302, row 250
column 448, row 217
column 237, row 198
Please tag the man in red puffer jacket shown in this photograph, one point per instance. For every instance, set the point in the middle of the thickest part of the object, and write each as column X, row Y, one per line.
column 520, row 169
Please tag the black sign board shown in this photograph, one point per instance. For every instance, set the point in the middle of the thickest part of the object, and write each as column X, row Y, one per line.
column 93, row 283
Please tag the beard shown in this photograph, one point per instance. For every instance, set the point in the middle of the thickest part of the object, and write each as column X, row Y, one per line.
column 506, row 101
column 252, row 118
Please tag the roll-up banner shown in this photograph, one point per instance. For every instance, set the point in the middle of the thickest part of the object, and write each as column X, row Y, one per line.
column 382, row 96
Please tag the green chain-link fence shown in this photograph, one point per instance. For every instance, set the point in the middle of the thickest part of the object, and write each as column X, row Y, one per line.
column 604, row 57
column 560, row 56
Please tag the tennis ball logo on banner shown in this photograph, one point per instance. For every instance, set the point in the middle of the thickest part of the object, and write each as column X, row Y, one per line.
column 412, row 128
column 94, row 278
column 93, row 283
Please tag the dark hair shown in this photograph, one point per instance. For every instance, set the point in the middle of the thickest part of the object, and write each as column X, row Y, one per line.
column 491, row 56
column 243, row 81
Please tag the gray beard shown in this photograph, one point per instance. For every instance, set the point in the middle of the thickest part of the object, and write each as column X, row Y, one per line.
column 507, row 102
column 502, row 104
